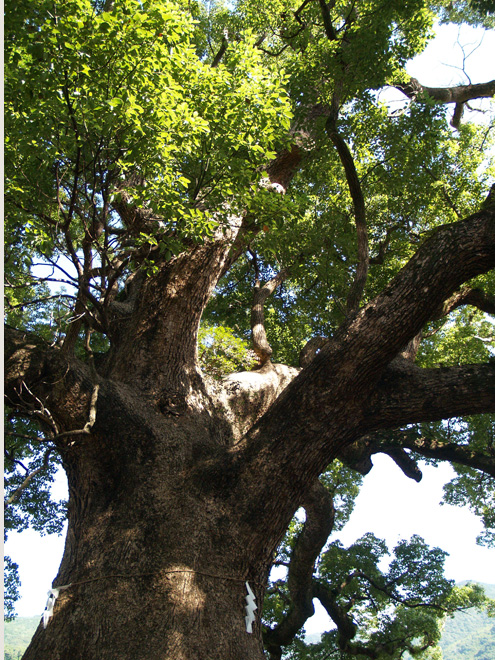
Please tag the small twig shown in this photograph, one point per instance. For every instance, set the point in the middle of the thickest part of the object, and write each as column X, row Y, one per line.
column 24, row 436
column 39, row 300
column 44, row 413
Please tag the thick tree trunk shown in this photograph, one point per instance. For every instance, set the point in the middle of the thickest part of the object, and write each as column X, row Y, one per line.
column 157, row 554
column 176, row 502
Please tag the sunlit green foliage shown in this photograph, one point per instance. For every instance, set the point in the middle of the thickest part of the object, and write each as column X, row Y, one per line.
column 469, row 634
column 473, row 12
column 221, row 352
column 94, row 100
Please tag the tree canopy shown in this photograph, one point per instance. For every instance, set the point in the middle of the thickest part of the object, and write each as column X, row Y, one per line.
column 210, row 204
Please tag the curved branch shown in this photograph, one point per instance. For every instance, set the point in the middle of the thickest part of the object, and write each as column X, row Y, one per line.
column 320, row 515
column 445, row 451
column 347, row 629
column 357, row 288
column 405, row 462
column 475, row 297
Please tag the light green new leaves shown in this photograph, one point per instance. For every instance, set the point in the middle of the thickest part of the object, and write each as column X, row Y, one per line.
column 98, row 100
column 221, row 352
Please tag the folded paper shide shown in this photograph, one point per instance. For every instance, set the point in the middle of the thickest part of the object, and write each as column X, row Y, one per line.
column 52, row 597
column 250, row 608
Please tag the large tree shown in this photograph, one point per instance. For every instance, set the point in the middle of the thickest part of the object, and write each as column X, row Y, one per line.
column 172, row 160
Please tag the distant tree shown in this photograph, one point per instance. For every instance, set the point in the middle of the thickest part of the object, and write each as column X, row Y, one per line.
column 171, row 161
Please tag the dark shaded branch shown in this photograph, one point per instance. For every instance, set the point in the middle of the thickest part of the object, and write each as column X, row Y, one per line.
column 347, row 629
column 357, row 287
column 317, row 528
column 407, row 394
column 475, row 297
column 383, row 245
column 221, row 52
column 389, row 589
column 445, row 451
column 407, row 464
column 455, row 122
column 327, row 20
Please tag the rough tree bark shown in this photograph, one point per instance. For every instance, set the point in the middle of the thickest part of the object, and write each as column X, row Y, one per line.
column 180, row 491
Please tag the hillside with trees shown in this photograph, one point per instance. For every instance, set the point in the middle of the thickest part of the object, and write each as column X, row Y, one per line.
column 17, row 635
column 470, row 635
column 234, row 274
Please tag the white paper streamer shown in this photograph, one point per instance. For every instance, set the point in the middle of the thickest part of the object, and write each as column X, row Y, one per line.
column 52, row 597
column 250, row 609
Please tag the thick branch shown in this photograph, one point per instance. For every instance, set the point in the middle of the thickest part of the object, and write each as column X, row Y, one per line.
column 347, row 629
column 354, row 359
column 407, row 394
column 445, row 451
column 459, row 94
column 455, row 122
column 41, row 381
column 344, row 393
column 327, row 19
column 155, row 346
column 405, row 462
column 467, row 296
